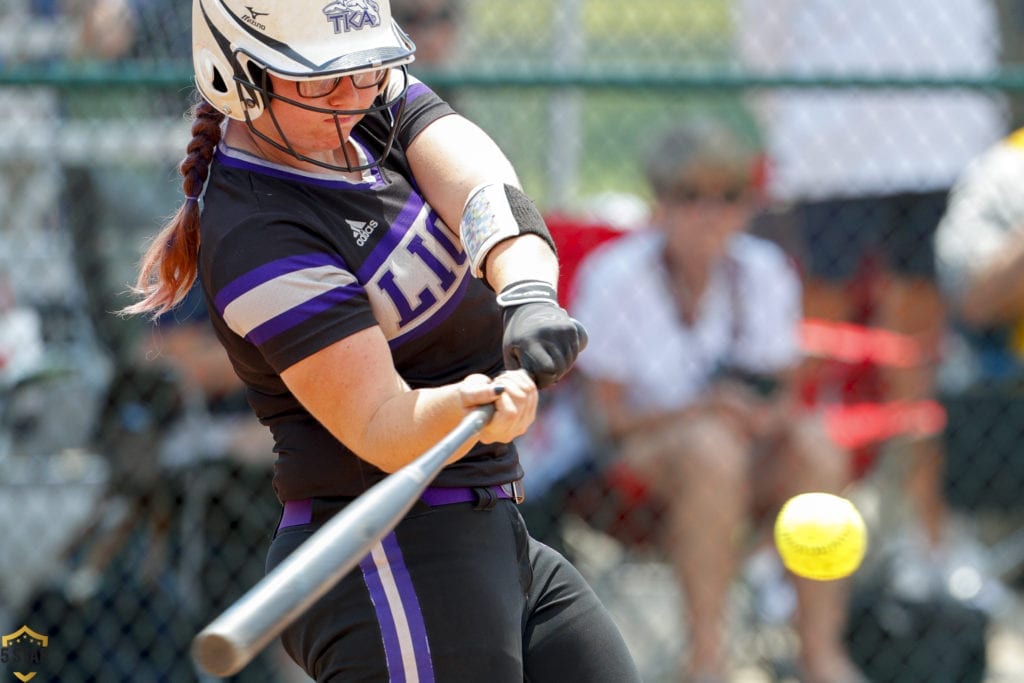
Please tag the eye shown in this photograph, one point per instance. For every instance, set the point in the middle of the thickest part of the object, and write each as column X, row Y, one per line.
column 318, row 88
column 733, row 195
column 369, row 79
column 692, row 194
column 686, row 194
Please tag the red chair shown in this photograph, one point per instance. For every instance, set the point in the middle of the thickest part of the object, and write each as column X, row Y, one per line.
column 845, row 387
column 574, row 239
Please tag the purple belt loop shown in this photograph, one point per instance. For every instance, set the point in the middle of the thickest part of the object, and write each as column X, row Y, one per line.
column 296, row 513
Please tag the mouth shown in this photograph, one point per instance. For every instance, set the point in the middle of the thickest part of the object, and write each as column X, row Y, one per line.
column 343, row 121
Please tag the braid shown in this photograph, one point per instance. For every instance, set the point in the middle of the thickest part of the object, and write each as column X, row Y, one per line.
column 168, row 267
column 195, row 167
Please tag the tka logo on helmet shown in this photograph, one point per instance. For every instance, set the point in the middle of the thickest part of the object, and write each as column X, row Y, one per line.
column 352, row 15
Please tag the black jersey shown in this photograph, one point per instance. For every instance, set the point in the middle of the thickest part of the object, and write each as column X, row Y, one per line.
column 293, row 261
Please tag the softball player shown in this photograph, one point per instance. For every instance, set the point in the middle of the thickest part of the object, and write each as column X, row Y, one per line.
column 365, row 327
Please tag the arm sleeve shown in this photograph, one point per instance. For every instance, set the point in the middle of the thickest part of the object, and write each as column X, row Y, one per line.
column 422, row 107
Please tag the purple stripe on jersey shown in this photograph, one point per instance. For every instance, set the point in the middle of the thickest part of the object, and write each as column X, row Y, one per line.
column 382, row 252
column 442, row 238
column 411, row 607
column 378, row 177
column 227, row 159
column 411, row 93
column 303, row 312
column 375, row 170
column 386, row 622
column 268, row 271
column 416, row 90
column 438, row 317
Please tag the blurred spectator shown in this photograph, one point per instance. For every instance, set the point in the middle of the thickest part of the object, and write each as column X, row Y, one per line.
column 865, row 174
column 52, row 372
column 182, row 342
column 149, row 31
column 186, row 508
column 51, row 409
column 434, row 26
column 221, row 458
column 32, row 34
column 693, row 340
column 106, row 28
column 120, row 198
column 980, row 259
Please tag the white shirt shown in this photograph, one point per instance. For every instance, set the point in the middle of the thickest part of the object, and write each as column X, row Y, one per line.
column 986, row 213
column 637, row 338
column 835, row 143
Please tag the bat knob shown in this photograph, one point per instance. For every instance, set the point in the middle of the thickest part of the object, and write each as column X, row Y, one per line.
column 216, row 654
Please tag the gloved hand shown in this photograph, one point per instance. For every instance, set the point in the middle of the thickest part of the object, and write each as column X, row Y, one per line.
column 540, row 337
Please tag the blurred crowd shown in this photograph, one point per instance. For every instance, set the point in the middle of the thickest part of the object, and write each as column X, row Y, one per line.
column 823, row 294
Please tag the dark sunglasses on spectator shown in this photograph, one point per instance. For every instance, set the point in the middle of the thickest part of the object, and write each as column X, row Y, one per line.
column 693, row 194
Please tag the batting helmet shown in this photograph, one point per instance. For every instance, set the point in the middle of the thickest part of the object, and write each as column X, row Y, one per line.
column 236, row 43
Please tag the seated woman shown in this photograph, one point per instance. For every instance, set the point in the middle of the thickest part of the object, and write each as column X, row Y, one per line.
column 693, row 338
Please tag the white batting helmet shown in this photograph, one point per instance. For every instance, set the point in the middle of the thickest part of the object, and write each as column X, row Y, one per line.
column 236, row 42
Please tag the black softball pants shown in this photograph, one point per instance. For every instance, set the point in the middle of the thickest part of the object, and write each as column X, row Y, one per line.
column 455, row 594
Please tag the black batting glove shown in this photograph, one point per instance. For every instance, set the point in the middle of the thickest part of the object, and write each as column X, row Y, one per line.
column 540, row 337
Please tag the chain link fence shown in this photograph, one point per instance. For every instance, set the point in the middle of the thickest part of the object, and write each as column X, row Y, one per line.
column 135, row 487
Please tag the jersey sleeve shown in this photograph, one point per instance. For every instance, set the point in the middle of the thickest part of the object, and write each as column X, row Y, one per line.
column 284, row 289
column 422, row 107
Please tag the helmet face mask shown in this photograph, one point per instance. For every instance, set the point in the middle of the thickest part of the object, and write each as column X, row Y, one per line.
column 237, row 43
column 392, row 105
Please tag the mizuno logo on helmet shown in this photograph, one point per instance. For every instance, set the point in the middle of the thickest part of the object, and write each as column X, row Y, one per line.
column 361, row 231
column 253, row 16
column 352, row 15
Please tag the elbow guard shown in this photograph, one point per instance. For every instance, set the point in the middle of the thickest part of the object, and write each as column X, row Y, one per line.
column 494, row 213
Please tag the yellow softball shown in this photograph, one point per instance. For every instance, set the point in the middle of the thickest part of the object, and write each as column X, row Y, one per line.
column 820, row 536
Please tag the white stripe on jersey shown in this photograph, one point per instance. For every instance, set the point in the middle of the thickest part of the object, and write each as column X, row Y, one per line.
column 282, row 294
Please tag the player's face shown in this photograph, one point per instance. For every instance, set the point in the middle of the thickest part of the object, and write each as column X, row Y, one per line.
column 300, row 117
